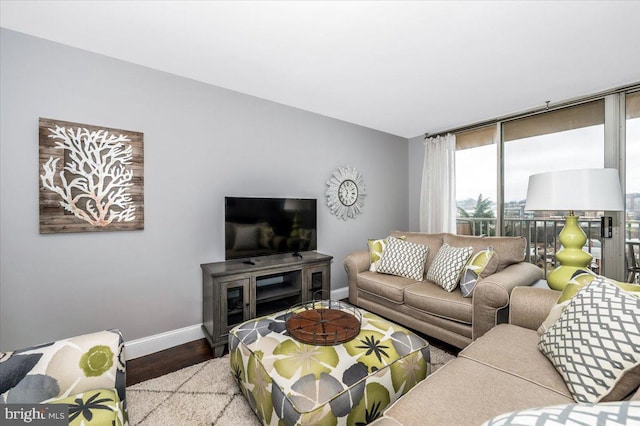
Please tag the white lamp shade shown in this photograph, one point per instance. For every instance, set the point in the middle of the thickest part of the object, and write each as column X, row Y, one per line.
column 583, row 189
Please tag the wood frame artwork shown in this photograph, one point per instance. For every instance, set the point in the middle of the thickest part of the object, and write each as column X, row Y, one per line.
column 91, row 178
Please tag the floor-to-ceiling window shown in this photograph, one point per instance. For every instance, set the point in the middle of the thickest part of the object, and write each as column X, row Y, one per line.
column 568, row 138
column 476, row 181
column 632, row 208
column 494, row 162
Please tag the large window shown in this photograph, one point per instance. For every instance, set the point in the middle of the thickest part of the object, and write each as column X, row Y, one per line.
column 476, row 181
column 632, row 170
column 569, row 138
column 494, row 162
column 632, row 211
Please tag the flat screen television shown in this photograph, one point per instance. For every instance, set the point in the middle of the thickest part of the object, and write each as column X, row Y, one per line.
column 266, row 226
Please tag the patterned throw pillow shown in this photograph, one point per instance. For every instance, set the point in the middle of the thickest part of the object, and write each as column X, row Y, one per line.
column 376, row 247
column 403, row 258
column 447, row 266
column 579, row 279
column 473, row 269
column 615, row 413
column 594, row 345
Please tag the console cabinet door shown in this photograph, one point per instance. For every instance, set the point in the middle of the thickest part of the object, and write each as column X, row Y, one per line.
column 317, row 282
column 235, row 303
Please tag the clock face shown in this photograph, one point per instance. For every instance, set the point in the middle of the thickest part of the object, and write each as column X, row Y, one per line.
column 348, row 192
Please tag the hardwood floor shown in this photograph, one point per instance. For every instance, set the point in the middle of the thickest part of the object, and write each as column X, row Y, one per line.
column 167, row 361
column 176, row 358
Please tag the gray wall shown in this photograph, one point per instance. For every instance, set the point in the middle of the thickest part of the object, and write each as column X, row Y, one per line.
column 200, row 143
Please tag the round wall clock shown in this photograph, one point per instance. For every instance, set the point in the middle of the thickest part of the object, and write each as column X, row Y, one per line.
column 345, row 192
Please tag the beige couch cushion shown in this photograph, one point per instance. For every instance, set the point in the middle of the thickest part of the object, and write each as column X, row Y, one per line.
column 390, row 287
column 520, row 357
column 429, row 297
column 508, row 250
column 450, row 396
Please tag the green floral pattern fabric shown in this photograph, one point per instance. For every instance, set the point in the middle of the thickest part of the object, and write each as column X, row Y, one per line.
column 87, row 372
column 288, row 382
column 98, row 407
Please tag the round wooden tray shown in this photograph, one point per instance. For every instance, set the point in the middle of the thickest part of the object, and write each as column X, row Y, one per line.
column 323, row 326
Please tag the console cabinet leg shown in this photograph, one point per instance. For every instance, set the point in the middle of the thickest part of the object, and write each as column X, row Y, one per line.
column 218, row 351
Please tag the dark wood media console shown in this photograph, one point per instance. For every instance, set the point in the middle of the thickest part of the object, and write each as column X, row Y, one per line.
column 238, row 290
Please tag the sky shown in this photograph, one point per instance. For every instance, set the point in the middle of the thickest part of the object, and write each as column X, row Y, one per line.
column 574, row 149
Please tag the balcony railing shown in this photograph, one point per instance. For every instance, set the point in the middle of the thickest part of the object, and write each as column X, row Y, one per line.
column 542, row 236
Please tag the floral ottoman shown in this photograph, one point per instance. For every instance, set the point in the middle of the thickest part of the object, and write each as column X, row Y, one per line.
column 288, row 382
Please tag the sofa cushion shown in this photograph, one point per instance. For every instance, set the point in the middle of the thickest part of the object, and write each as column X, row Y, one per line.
column 432, row 299
column 594, row 344
column 465, row 392
column 390, row 287
column 472, row 270
column 508, row 250
column 447, row 266
column 519, row 356
column 617, row 413
column 403, row 258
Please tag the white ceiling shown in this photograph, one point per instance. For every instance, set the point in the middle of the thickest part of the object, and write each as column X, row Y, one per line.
column 405, row 68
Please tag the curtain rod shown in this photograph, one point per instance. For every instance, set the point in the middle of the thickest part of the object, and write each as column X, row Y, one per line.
column 538, row 110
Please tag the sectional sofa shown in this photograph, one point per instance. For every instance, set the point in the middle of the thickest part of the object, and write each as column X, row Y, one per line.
column 425, row 306
column 504, row 378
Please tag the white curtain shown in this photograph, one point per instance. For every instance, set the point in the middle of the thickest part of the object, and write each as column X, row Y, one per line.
column 438, row 194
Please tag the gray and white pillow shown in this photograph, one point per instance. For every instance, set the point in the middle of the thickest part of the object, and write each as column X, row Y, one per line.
column 595, row 345
column 447, row 266
column 403, row 258
column 614, row 413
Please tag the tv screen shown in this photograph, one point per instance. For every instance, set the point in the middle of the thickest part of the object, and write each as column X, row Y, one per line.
column 264, row 226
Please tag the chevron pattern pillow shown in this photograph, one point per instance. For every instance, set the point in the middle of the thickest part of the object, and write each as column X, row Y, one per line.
column 376, row 248
column 403, row 258
column 473, row 269
column 578, row 280
column 595, row 343
column 447, row 266
column 613, row 413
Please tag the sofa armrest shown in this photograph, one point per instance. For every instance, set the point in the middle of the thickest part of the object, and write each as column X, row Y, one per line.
column 64, row 368
column 492, row 294
column 529, row 306
column 355, row 263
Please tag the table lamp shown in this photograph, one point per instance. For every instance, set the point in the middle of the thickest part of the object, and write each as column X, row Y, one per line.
column 571, row 190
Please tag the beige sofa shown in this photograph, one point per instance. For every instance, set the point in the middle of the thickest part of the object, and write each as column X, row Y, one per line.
column 426, row 307
column 499, row 373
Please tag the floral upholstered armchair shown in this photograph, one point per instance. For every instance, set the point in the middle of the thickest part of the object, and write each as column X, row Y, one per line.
column 85, row 372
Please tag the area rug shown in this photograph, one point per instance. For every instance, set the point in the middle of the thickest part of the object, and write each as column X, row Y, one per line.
column 203, row 394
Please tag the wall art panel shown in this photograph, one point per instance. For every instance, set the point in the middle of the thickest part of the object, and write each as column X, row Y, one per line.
column 91, row 178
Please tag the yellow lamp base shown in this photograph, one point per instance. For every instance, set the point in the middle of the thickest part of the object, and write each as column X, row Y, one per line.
column 571, row 257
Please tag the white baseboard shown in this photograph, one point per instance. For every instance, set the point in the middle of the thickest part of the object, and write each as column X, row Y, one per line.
column 340, row 293
column 159, row 342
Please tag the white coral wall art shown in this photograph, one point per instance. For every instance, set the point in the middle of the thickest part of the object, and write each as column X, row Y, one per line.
column 91, row 178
